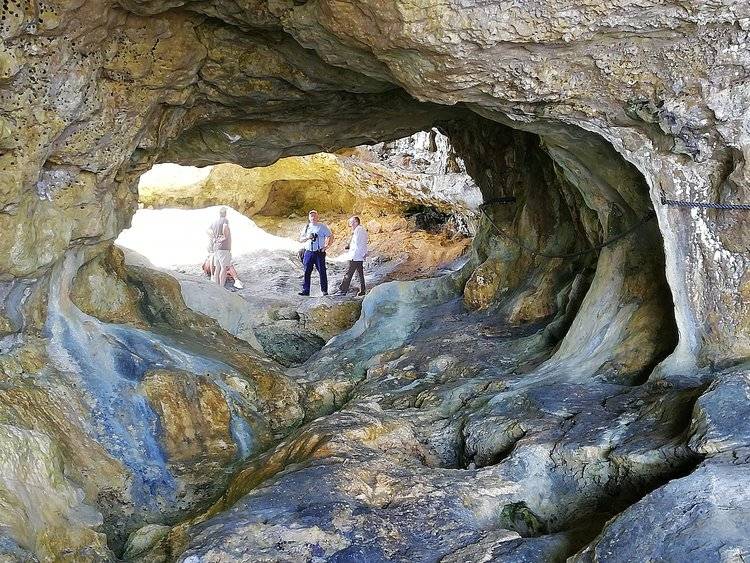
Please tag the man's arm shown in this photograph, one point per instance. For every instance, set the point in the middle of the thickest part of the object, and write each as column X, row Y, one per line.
column 225, row 231
column 361, row 236
column 329, row 240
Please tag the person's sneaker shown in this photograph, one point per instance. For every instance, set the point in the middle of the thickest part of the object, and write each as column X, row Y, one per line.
column 361, row 294
column 238, row 284
column 303, row 293
column 325, row 293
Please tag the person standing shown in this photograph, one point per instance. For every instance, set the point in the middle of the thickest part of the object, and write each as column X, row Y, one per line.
column 357, row 252
column 222, row 236
column 317, row 238
column 209, row 266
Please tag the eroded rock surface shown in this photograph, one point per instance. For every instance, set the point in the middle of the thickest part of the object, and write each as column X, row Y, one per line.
column 535, row 412
column 373, row 181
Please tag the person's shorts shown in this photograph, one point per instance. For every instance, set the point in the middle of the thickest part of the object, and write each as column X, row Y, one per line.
column 223, row 258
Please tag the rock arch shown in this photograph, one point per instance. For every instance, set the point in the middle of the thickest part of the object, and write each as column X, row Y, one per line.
column 602, row 109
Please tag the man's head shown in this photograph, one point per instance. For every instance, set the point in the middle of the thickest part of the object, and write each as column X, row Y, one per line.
column 223, row 212
column 313, row 216
column 354, row 222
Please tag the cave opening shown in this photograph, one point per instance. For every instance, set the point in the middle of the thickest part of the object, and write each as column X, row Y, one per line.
column 540, row 369
column 561, row 281
column 413, row 196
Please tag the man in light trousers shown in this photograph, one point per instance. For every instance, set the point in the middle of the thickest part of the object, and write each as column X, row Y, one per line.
column 222, row 237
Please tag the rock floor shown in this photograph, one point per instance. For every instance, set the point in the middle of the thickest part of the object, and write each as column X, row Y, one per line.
column 447, row 435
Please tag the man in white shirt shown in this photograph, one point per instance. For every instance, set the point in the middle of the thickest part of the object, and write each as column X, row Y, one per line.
column 357, row 252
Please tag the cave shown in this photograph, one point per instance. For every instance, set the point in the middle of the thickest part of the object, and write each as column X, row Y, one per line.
column 413, row 196
column 574, row 386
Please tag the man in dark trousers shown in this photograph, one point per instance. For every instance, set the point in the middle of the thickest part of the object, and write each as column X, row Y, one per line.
column 357, row 252
column 317, row 238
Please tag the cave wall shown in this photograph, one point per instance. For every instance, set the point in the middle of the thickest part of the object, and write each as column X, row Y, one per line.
column 144, row 426
column 581, row 223
column 671, row 98
column 93, row 93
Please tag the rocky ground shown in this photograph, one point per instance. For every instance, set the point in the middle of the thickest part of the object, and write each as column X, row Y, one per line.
column 458, row 437
column 267, row 312
column 468, row 417
column 577, row 390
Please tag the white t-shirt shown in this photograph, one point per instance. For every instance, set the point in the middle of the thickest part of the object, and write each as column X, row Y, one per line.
column 358, row 244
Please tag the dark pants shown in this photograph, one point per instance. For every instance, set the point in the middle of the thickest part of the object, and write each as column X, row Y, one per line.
column 354, row 266
column 316, row 260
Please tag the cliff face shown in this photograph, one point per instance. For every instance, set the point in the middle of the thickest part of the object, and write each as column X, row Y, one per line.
column 393, row 178
column 121, row 404
column 93, row 93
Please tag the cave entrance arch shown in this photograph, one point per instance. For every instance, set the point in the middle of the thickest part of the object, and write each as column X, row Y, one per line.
column 609, row 309
column 604, row 315
column 412, row 194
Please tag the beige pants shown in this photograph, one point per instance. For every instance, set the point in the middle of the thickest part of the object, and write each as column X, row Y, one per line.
column 222, row 258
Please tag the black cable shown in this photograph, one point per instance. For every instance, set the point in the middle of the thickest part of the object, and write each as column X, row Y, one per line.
column 503, row 199
column 650, row 215
column 726, row 206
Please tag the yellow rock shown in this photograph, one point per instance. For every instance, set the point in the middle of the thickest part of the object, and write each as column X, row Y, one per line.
column 100, row 289
column 329, row 320
column 9, row 65
column 194, row 416
column 490, row 280
column 40, row 509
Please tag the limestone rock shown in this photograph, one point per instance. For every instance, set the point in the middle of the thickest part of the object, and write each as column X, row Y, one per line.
column 233, row 313
column 327, row 321
column 148, row 423
column 40, row 509
column 367, row 181
column 287, row 342
column 101, row 290
column 720, row 426
column 489, row 282
column 705, row 514
column 588, row 116
column 194, row 415
column 143, row 540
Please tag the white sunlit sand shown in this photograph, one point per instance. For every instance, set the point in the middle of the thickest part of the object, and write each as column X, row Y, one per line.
column 175, row 237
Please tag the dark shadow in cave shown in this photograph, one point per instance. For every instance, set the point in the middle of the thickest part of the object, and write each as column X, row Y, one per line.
column 571, row 193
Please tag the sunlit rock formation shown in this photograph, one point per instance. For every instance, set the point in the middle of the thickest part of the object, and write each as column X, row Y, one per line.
column 387, row 178
column 413, row 195
column 530, row 406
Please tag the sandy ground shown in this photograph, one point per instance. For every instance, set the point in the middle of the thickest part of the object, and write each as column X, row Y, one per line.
column 175, row 240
